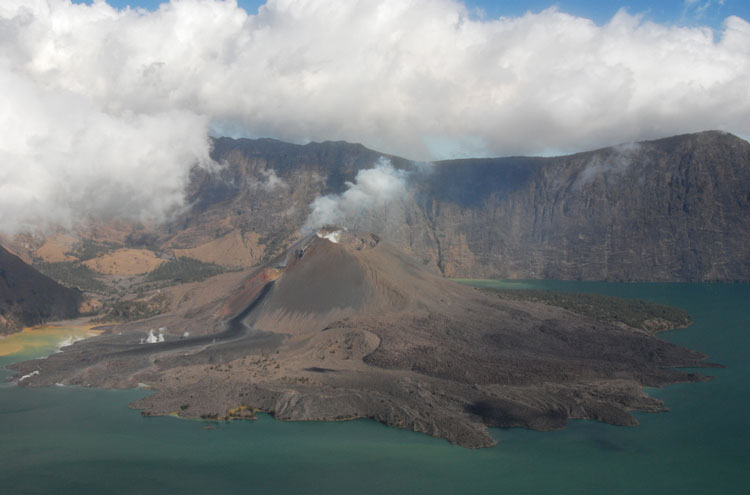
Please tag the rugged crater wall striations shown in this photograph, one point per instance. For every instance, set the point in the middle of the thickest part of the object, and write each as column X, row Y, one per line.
column 674, row 209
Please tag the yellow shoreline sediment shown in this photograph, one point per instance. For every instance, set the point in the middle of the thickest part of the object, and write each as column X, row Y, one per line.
column 44, row 336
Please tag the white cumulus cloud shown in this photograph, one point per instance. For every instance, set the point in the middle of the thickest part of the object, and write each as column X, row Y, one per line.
column 104, row 111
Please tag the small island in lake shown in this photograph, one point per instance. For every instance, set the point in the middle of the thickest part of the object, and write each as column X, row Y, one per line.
column 343, row 326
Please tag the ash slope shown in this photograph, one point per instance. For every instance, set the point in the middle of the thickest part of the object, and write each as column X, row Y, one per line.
column 357, row 329
column 28, row 297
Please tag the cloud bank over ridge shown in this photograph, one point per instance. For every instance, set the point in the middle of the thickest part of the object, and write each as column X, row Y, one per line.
column 105, row 111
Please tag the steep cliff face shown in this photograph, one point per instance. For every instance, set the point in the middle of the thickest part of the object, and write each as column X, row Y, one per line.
column 676, row 209
column 666, row 210
column 28, row 298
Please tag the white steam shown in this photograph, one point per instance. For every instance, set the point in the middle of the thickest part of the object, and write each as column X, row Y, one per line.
column 334, row 236
column 616, row 163
column 152, row 338
column 370, row 193
column 104, row 111
column 270, row 182
column 70, row 340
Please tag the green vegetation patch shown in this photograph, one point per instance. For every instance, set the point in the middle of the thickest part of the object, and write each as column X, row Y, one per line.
column 634, row 313
column 87, row 249
column 184, row 270
column 273, row 244
column 135, row 310
column 72, row 274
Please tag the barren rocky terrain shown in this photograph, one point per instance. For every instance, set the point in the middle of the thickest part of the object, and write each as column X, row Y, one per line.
column 674, row 209
column 357, row 328
column 232, row 307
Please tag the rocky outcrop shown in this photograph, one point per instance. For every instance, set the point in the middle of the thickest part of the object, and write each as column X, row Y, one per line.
column 674, row 209
column 28, row 298
column 346, row 326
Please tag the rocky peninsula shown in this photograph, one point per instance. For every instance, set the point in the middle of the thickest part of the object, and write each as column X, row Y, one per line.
column 345, row 326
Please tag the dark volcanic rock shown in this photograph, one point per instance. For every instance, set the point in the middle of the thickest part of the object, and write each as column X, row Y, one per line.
column 675, row 209
column 666, row 210
column 28, row 298
column 358, row 329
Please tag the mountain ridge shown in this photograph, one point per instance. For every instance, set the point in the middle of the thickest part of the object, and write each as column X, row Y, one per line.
column 665, row 210
column 566, row 217
column 28, row 297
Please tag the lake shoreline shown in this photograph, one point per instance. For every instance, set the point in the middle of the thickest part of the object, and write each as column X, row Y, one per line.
column 370, row 386
column 53, row 435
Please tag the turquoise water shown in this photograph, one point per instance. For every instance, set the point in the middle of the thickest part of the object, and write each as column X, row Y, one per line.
column 65, row 440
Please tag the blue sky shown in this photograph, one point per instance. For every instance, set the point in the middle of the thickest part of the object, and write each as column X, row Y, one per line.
column 674, row 12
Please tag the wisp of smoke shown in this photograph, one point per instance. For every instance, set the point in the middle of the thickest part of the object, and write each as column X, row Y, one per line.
column 619, row 160
column 270, row 182
column 371, row 191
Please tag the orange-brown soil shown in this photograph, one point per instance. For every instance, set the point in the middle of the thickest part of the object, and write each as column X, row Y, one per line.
column 125, row 262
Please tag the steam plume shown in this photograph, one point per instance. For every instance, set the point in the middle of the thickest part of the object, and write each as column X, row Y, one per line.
column 369, row 194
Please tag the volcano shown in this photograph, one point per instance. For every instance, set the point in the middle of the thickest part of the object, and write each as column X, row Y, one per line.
column 344, row 326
